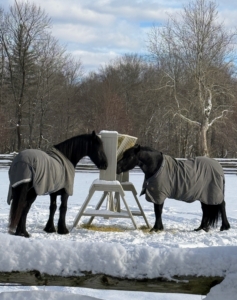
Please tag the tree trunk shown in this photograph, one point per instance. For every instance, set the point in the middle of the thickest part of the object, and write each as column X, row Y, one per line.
column 203, row 138
column 198, row 285
column 18, row 128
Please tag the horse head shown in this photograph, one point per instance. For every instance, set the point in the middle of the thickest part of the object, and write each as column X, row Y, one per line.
column 96, row 152
column 129, row 160
column 148, row 159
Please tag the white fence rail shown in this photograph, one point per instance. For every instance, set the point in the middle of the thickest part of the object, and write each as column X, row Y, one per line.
column 229, row 165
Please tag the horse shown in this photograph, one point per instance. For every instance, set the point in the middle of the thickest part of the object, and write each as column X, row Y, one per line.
column 34, row 172
column 200, row 179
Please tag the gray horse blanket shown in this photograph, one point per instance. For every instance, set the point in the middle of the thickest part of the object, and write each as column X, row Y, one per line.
column 201, row 178
column 49, row 171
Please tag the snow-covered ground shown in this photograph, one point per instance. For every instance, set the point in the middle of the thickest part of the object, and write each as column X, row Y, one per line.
column 178, row 250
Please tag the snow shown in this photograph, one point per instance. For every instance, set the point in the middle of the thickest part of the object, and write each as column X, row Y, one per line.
column 178, row 250
column 43, row 295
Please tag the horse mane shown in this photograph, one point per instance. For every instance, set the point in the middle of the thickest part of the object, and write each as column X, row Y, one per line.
column 74, row 148
column 146, row 148
column 149, row 149
column 150, row 160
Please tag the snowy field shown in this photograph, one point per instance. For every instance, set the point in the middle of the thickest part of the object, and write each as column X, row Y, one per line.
column 178, row 250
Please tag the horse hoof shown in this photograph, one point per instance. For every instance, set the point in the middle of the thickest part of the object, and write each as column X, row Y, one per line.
column 50, row 229
column 26, row 234
column 156, row 229
column 225, row 227
column 202, row 228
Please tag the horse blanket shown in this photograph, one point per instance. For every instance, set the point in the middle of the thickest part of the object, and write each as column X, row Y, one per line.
column 49, row 171
column 201, row 178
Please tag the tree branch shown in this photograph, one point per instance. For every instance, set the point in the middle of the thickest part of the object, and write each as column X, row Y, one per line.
column 218, row 118
column 191, row 122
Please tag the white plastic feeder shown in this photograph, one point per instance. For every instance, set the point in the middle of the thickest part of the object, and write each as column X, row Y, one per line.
column 113, row 186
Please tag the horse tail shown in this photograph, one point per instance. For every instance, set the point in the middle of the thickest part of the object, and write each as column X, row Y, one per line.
column 18, row 203
column 223, row 188
column 213, row 212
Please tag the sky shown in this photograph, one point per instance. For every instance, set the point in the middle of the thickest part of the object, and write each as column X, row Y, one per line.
column 99, row 31
column 123, row 252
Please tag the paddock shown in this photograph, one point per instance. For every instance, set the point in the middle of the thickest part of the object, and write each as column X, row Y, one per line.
column 132, row 250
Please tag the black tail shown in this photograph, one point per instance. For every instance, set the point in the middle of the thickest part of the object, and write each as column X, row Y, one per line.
column 19, row 194
column 212, row 214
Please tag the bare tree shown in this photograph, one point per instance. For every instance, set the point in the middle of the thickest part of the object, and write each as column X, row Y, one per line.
column 22, row 28
column 196, row 52
column 72, row 72
column 40, row 96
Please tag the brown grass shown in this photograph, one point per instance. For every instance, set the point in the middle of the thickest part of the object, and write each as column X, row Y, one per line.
column 111, row 228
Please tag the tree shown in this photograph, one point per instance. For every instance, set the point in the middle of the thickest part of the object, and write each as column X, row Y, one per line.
column 39, row 81
column 21, row 29
column 196, row 56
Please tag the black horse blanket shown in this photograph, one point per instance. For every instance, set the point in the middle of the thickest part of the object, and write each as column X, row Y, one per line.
column 201, row 178
column 49, row 171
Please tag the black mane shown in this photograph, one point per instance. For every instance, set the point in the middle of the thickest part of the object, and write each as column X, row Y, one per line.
column 74, row 148
column 149, row 149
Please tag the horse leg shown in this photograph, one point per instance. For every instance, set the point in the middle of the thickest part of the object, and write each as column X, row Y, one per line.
column 62, row 229
column 225, row 224
column 204, row 223
column 21, row 227
column 52, row 209
column 158, row 212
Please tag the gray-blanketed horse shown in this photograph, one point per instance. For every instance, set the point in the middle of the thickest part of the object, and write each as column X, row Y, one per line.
column 34, row 172
column 200, row 179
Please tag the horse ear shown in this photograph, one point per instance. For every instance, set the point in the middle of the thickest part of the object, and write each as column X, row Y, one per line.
column 137, row 148
column 93, row 133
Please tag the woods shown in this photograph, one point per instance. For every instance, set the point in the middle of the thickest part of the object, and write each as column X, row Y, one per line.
column 180, row 99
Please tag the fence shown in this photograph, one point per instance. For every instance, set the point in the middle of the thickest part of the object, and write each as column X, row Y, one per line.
column 229, row 165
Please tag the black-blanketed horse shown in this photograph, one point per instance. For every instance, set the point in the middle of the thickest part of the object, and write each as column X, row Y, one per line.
column 35, row 172
column 201, row 178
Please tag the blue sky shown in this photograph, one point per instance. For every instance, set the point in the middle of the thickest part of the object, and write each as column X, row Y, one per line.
column 98, row 31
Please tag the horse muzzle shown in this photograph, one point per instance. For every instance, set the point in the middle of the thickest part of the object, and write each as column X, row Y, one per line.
column 119, row 170
column 103, row 166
